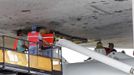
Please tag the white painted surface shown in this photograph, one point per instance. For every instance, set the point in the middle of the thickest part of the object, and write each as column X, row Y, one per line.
column 94, row 68
column 102, row 58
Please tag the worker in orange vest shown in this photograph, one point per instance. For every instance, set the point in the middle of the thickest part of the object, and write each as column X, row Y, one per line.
column 33, row 38
column 48, row 41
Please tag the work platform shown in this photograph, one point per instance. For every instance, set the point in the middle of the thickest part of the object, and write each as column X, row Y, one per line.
column 23, row 63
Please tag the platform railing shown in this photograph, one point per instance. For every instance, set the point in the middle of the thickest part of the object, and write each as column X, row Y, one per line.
column 31, row 63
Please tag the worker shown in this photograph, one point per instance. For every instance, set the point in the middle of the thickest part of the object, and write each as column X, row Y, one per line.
column 19, row 43
column 110, row 48
column 41, row 31
column 48, row 40
column 99, row 48
column 33, row 38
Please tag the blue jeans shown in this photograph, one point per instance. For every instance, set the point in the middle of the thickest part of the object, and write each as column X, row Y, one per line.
column 47, row 52
column 33, row 50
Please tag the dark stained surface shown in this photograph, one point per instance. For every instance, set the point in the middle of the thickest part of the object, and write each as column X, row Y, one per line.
column 108, row 20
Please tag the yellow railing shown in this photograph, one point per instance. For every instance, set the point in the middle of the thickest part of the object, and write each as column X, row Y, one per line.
column 1, row 56
column 31, row 61
column 37, row 62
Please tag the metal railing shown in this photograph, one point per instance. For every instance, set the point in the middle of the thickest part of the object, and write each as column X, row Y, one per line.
column 7, row 43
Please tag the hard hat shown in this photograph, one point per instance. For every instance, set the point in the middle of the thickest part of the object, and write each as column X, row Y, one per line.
column 34, row 27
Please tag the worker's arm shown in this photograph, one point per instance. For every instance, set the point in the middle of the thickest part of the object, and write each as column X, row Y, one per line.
column 46, row 43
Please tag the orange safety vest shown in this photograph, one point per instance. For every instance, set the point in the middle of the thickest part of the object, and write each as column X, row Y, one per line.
column 48, row 38
column 15, row 44
column 33, row 38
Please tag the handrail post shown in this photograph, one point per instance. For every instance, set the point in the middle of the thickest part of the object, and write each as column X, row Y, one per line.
column 52, row 73
column 3, row 50
column 60, row 48
column 28, row 59
column 37, row 48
